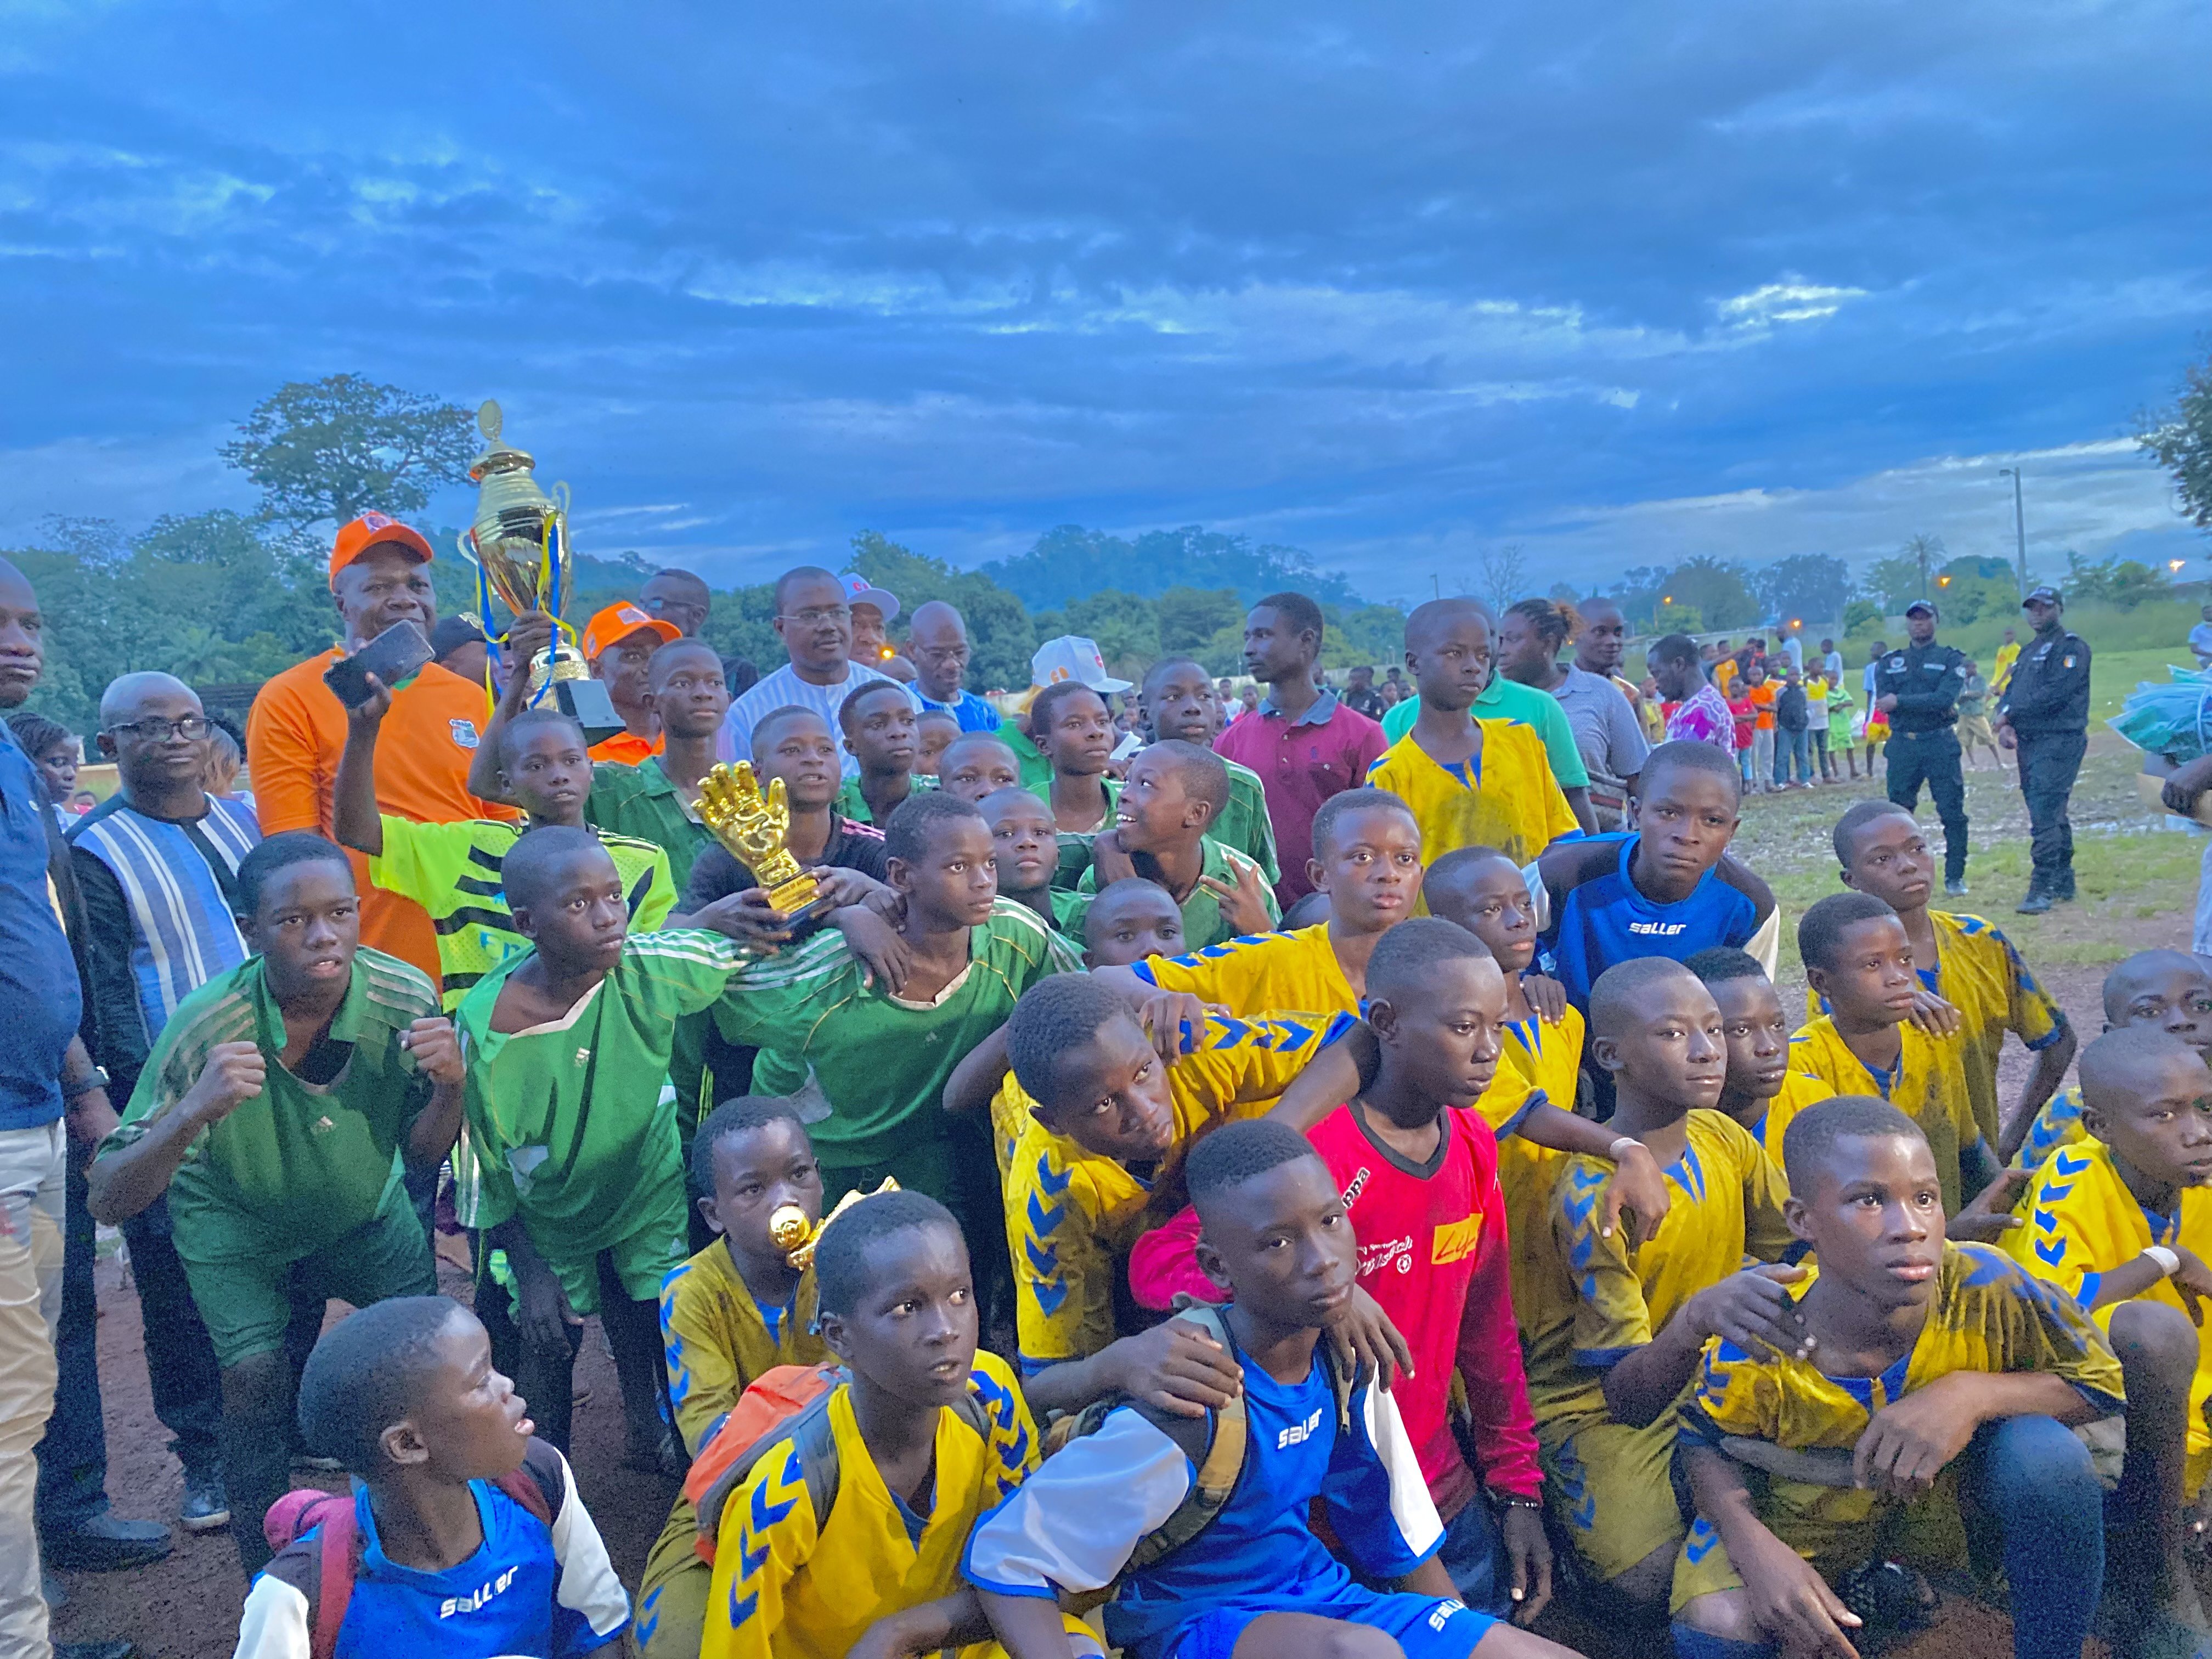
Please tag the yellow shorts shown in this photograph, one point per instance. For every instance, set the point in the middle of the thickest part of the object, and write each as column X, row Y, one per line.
column 1836, row 1530
column 1974, row 731
column 671, row 1592
column 1609, row 1485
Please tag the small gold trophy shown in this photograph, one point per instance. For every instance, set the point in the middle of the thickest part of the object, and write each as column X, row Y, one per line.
column 752, row 825
column 519, row 542
column 788, row 1232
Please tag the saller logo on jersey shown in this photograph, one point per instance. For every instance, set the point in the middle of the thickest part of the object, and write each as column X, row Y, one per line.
column 1298, row 1432
column 1657, row 929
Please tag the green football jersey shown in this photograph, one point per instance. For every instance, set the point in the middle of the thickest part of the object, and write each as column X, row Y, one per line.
column 1244, row 825
column 882, row 1062
column 1202, row 923
column 639, row 801
column 301, row 1164
column 571, row 1124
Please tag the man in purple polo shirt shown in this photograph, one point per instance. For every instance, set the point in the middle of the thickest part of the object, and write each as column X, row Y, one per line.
column 1305, row 744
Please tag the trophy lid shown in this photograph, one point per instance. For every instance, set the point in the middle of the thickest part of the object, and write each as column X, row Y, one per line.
column 497, row 457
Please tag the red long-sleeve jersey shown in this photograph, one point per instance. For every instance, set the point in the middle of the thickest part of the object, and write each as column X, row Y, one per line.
column 1432, row 1253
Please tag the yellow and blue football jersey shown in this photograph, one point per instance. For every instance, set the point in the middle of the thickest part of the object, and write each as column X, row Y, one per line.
column 1259, row 971
column 787, row 1585
column 2082, row 1222
column 1987, row 1315
column 1929, row 1086
column 1505, row 797
column 1072, row 1215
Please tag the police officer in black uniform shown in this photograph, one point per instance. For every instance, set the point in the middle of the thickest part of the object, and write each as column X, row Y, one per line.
column 1918, row 688
column 2045, row 714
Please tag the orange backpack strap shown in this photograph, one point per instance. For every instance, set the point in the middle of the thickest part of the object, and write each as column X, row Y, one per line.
column 739, row 1445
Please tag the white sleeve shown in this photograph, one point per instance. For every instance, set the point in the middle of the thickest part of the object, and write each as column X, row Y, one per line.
column 274, row 1623
column 1766, row 943
column 1540, row 897
column 1071, row 1525
column 1411, row 1509
column 587, row 1585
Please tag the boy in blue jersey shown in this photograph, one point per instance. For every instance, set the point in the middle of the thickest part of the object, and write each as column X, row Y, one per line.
column 1937, row 1385
column 448, row 1561
column 1664, row 889
column 1257, row 1581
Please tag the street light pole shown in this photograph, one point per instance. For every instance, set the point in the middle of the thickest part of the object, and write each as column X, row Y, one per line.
column 2019, row 525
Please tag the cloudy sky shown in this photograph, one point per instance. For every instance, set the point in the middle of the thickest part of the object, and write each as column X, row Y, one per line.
column 1393, row 282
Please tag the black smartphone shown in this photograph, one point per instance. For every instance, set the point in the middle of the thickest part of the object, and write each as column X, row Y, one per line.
column 392, row 656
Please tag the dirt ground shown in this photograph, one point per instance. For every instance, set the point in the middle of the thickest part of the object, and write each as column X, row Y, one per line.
column 187, row 1607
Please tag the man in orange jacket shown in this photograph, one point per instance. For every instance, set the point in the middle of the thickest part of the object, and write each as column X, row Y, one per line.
column 379, row 575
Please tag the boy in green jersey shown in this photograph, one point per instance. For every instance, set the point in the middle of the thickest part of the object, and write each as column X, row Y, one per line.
column 1073, row 728
column 571, row 1161
column 1173, row 794
column 658, row 799
column 1178, row 701
column 880, row 732
column 452, row 870
column 1025, row 852
column 883, row 1057
column 273, row 1111
column 974, row 765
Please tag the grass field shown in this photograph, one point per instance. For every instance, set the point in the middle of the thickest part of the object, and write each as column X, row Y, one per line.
column 2129, row 865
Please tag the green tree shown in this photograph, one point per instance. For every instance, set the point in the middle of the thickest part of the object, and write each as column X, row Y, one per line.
column 1715, row 588
column 1808, row 586
column 329, row 450
column 1895, row 582
column 1190, row 617
column 999, row 631
column 1125, row 625
column 2179, row 438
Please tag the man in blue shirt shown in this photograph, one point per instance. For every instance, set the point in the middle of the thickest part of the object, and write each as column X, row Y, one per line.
column 46, row 1080
column 937, row 645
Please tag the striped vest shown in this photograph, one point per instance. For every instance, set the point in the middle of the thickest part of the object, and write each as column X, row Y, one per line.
column 183, row 934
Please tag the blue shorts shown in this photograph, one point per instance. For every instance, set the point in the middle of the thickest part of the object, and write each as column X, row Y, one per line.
column 1425, row 1626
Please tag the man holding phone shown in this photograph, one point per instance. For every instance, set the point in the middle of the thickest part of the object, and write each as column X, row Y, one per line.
column 379, row 575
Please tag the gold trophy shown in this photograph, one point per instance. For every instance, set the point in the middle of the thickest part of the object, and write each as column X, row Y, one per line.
column 520, row 546
column 788, row 1232
column 752, row 824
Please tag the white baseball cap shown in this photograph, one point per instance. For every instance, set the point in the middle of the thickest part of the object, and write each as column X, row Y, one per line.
column 857, row 591
column 1071, row 657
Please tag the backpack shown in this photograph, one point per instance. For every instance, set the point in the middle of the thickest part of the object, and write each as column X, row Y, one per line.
column 787, row 1402
column 1223, row 1467
column 329, row 1591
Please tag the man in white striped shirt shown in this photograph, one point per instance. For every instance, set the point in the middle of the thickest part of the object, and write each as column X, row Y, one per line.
column 814, row 620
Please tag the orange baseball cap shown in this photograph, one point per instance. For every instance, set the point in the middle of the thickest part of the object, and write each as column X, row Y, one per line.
column 374, row 529
column 617, row 623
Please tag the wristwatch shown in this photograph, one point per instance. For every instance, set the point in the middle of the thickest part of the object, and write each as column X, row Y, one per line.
column 94, row 1078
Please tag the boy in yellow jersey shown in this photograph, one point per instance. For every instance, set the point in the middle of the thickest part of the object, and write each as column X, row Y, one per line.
column 1483, row 890
column 2124, row 1216
column 1100, row 1160
column 1761, row 1093
column 1859, row 959
column 1963, row 960
column 1469, row 783
column 1131, row 920
column 1613, row 1332
column 1939, row 1385
column 2166, row 991
column 736, row 1309
column 452, row 870
column 1367, row 858
column 928, row 1435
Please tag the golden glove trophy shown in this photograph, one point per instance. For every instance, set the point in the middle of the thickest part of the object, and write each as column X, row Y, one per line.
column 519, row 547
column 752, row 824
column 788, row 1232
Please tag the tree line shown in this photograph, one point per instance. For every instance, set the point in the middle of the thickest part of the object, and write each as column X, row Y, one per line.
column 224, row 598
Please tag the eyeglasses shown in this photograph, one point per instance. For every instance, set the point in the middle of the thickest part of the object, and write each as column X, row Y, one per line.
column 191, row 728
column 815, row 615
